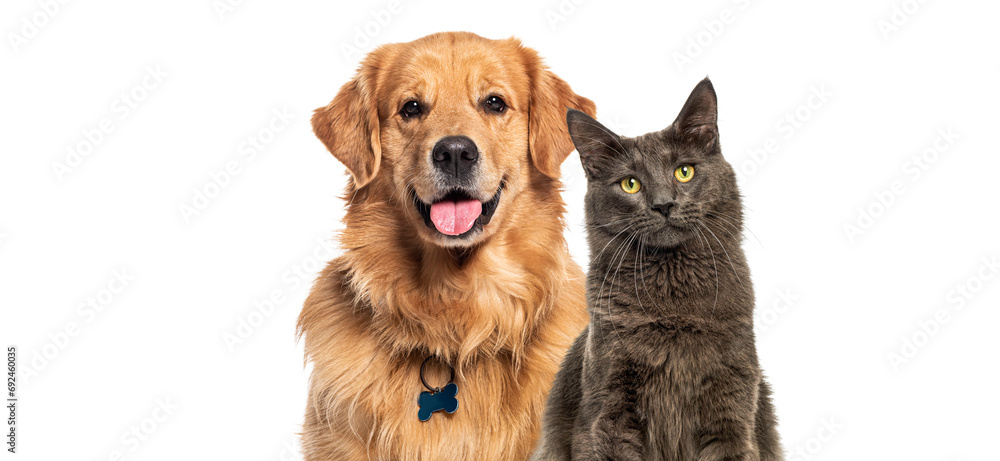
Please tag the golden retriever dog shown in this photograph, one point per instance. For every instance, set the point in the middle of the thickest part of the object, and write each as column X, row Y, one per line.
column 454, row 256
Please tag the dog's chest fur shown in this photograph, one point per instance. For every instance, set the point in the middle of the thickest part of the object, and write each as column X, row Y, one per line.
column 366, row 382
column 379, row 405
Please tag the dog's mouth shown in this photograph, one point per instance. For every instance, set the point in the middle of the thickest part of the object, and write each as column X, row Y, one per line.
column 458, row 214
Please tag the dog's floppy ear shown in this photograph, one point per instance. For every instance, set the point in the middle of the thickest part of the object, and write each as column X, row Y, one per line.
column 349, row 125
column 548, row 137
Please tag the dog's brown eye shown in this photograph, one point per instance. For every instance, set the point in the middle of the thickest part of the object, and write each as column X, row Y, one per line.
column 410, row 109
column 495, row 104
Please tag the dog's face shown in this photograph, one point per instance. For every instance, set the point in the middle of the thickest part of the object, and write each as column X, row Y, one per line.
column 452, row 124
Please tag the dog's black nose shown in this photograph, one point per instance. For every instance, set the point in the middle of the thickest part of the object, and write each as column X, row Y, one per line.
column 455, row 155
column 664, row 208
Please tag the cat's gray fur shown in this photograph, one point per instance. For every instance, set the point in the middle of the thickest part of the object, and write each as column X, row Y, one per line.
column 667, row 368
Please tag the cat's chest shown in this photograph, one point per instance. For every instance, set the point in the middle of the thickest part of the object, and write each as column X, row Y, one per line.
column 667, row 404
column 661, row 343
column 684, row 275
column 660, row 286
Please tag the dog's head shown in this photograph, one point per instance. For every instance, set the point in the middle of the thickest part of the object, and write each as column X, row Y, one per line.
column 452, row 125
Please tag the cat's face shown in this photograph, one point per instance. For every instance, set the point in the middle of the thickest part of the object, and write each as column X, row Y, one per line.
column 664, row 187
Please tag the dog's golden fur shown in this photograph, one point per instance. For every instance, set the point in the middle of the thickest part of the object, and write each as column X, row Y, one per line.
column 500, row 306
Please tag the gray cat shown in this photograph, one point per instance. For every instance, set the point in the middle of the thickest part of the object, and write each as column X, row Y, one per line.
column 667, row 368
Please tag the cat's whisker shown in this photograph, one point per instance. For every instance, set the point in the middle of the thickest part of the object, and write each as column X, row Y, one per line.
column 597, row 258
column 701, row 241
column 725, row 224
column 614, row 222
column 744, row 226
column 731, row 265
column 735, row 221
column 609, row 243
column 635, row 282
column 735, row 238
column 733, row 200
column 611, row 288
column 600, row 292
column 642, row 250
column 628, row 243
column 712, row 253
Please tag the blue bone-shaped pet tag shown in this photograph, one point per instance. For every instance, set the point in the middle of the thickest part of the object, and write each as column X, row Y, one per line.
column 430, row 402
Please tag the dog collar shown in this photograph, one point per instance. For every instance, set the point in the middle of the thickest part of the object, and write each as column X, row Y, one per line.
column 438, row 398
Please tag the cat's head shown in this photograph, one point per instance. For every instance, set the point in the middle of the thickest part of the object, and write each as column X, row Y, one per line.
column 667, row 186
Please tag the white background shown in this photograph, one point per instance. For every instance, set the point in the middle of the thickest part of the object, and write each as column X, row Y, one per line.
column 855, row 298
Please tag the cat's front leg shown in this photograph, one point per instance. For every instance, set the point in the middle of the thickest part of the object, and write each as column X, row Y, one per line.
column 613, row 437
column 618, row 432
column 726, row 415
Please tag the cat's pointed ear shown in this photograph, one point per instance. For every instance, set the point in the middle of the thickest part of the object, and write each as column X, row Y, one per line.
column 698, row 119
column 596, row 144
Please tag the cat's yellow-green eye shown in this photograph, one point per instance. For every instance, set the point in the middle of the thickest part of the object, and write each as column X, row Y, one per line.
column 684, row 173
column 631, row 185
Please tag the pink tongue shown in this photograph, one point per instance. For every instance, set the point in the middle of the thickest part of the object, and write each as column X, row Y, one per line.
column 455, row 218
